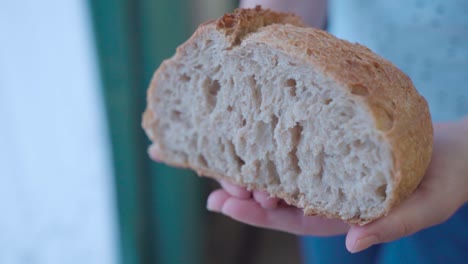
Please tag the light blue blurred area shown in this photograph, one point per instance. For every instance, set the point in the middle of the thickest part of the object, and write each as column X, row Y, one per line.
column 56, row 190
column 428, row 40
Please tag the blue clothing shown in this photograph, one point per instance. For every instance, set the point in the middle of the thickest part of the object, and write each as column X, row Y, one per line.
column 429, row 41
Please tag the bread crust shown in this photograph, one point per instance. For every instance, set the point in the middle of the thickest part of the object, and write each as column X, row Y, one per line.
column 399, row 112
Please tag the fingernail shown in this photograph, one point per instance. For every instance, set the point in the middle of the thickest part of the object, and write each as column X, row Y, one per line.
column 210, row 206
column 152, row 153
column 364, row 243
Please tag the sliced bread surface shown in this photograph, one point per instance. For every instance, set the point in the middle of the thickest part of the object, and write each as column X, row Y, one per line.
column 259, row 99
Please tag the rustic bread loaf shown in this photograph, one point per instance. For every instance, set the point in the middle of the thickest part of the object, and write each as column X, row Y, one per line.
column 260, row 100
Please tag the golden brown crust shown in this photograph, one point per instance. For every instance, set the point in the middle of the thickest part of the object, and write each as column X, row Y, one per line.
column 399, row 112
column 243, row 21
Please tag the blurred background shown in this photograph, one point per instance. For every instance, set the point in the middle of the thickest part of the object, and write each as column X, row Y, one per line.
column 76, row 185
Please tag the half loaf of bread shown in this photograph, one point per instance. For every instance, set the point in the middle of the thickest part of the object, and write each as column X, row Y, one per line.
column 263, row 101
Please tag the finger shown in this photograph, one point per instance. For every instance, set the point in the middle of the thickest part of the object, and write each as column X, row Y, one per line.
column 421, row 210
column 216, row 200
column 235, row 190
column 288, row 219
column 265, row 200
column 153, row 153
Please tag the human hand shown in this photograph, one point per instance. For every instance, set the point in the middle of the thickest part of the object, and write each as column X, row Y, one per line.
column 442, row 191
column 258, row 209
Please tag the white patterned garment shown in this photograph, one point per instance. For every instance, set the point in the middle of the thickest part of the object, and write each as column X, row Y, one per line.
column 427, row 39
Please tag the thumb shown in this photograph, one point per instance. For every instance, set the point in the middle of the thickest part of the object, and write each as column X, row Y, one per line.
column 420, row 210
